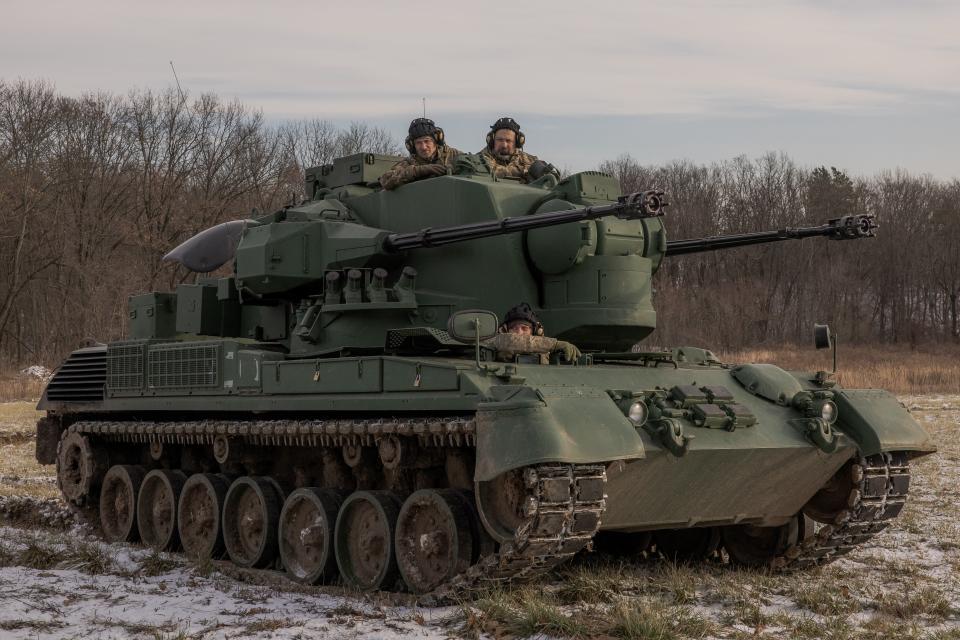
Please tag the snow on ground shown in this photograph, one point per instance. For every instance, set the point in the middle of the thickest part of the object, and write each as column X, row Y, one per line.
column 181, row 601
column 92, row 590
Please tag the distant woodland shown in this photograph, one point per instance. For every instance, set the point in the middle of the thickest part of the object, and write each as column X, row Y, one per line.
column 95, row 190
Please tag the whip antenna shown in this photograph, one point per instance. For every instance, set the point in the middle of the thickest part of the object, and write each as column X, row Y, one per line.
column 182, row 97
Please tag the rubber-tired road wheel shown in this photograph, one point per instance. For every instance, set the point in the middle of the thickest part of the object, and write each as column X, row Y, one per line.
column 118, row 502
column 307, row 524
column 199, row 515
column 157, row 508
column 754, row 546
column 434, row 540
column 363, row 539
column 251, row 513
column 683, row 545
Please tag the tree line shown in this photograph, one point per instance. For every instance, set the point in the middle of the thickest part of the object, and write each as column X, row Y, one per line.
column 95, row 189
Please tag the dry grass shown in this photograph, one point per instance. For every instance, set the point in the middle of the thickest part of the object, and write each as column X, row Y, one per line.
column 933, row 369
column 17, row 386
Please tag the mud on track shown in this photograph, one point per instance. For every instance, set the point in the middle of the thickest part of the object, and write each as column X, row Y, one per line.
column 57, row 581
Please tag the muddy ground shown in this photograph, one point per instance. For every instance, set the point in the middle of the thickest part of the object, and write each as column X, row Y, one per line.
column 57, row 581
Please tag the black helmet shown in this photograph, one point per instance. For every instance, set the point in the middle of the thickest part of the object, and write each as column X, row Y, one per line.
column 422, row 127
column 505, row 123
column 524, row 313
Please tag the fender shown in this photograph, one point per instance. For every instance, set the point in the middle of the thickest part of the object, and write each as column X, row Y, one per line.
column 879, row 423
column 569, row 424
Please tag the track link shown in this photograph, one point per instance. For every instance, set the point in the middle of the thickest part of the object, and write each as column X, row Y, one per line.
column 563, row 504
column 880, row 485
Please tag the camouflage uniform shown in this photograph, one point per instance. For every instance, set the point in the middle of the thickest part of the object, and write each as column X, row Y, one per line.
column 508, row 345
column 407, row 170
column 517, row 167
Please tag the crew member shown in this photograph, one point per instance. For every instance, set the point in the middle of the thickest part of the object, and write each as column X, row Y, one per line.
column 429, row 155
column 522, row 332
column 505, row 156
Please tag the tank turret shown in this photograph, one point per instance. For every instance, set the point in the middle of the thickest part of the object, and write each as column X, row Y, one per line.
column 339, row 271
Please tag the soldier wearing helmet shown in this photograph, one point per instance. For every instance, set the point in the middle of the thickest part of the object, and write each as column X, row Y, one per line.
column 505, row 156
column 522, row 332
column 429, row 155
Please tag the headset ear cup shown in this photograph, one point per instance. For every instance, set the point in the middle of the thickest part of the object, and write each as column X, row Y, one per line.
column 490, row 140
column 520, row 139
column 438, row 136
column 408, row 143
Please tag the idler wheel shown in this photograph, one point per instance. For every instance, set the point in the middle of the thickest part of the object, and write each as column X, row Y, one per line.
column 199, row 515
column 157, row 508
column 754, row 546
column 307, row 524
column 80, row 468
column 251, row 512
column 502, row 504
column 434, row 541
column 363, row 539
column 118, row 502
column 682, row 545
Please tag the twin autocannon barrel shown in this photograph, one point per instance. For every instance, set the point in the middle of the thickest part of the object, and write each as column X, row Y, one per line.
column 641, row 204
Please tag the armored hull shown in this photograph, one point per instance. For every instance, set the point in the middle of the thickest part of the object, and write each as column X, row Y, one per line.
column 464, row 473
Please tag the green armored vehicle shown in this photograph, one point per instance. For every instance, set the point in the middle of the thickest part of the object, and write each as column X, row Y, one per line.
column 331, row 408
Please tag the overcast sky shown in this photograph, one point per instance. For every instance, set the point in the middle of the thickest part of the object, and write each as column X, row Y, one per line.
column 863, row 84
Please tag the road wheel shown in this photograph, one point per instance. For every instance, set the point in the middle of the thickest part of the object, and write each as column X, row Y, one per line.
column 118, row 502
column 685, row 545
column 754, row 546
column 363, row 539
column 251, row 513
column 307, row 524
column 199, row 515
column 157, row 508
column 434, row 541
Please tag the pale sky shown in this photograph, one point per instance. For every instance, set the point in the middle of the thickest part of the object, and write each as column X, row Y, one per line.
column 864, row 84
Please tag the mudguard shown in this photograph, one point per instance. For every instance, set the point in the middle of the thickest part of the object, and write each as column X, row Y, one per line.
column 531, row 426
column 877, row 422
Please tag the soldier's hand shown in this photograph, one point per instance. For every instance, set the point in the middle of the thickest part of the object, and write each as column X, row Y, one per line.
column 431, row 170
column 569, row 351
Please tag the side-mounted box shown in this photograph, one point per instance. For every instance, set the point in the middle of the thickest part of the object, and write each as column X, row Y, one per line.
column 152, row 315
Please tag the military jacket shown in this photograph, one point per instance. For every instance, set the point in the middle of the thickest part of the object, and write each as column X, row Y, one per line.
column 508, row 345
column 517, row 167
column 406, row 170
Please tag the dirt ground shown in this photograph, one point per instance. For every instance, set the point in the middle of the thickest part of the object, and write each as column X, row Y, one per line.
column 56, row 581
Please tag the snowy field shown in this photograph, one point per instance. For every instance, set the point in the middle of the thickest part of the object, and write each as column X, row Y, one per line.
column 58, row 582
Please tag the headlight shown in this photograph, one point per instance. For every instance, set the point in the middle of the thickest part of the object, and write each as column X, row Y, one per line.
column 638, row 413
column 828, row 411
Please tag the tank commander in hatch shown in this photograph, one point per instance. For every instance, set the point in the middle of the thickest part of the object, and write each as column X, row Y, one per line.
column 505, row 156
column 429, row 155
column 521, row 332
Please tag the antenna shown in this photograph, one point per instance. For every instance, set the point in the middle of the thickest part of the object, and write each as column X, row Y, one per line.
column 182, row 97
column 424, row 107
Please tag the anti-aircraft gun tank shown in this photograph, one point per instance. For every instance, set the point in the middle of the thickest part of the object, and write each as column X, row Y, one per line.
column 329, row 409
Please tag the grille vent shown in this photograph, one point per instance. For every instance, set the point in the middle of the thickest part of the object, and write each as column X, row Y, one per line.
column 81, row 378
column 125, row 366
column 176, row 366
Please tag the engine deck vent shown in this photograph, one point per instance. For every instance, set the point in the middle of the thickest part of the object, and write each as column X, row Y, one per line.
column 81, row 378
column 177, row 366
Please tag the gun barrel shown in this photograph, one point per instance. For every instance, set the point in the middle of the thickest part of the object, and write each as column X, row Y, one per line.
column 642, row 204
column 851, row 227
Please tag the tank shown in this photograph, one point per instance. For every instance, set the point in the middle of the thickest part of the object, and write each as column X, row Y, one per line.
column 328, row 405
